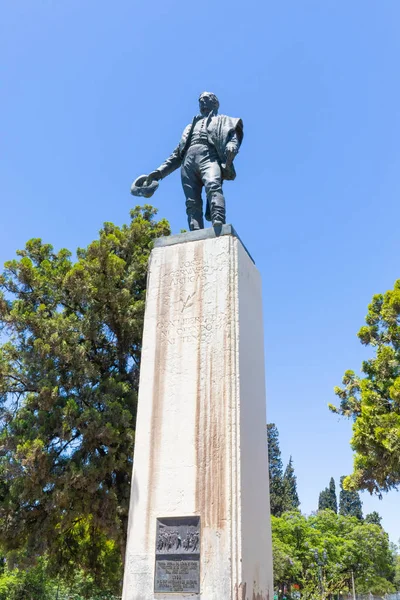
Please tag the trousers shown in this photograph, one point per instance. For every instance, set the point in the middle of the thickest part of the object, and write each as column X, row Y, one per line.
column 201, row 168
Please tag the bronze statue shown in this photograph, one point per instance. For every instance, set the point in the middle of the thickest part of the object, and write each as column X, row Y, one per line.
column 205, row 154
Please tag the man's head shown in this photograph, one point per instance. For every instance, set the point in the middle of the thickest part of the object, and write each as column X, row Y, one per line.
column 208, row 102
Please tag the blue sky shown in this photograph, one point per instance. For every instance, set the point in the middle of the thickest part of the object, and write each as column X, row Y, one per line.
column 95, row 93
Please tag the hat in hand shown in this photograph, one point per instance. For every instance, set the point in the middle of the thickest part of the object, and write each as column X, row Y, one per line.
column 139, row 187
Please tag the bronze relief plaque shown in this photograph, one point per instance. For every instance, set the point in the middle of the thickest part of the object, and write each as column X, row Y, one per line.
column 177, row 568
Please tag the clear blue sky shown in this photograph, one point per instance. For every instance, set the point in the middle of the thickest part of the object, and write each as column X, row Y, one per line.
column 95, row 93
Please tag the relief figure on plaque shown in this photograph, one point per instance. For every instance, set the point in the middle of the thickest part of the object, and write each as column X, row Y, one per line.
column 169, row 540
column 192, row 541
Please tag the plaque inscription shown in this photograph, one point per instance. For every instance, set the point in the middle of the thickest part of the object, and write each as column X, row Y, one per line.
column 177, row 567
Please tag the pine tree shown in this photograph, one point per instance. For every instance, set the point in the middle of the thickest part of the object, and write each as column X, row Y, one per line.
column 327, row 498
column 275, row 468
column 350, row 503
column 290, row 484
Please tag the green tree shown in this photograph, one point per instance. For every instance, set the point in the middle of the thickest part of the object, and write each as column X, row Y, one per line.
column 327, row 498
column 349, row 502
column 320, row 552
column 373, row 400
column 283, row 486
column 275, row 470
column 397, row 573
column 290, row 487
column 36, row 583
column 27, row 584
column 278, row 489
column 69, row 373
column 373, row 518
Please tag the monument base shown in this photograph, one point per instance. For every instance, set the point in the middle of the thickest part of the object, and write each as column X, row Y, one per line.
column 199, row 521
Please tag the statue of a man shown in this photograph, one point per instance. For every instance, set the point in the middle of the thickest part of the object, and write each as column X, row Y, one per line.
column 205, row 154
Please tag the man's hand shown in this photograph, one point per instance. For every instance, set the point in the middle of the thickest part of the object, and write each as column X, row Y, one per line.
column 230, row 152
column 153, row 176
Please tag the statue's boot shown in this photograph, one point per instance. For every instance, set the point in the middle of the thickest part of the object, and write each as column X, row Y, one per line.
column 218, row 214
column 195, row 221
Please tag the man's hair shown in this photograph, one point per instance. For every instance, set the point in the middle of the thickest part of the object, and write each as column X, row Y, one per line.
column 213, row 97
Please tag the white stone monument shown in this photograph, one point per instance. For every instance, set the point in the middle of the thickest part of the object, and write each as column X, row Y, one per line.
column 199, row 521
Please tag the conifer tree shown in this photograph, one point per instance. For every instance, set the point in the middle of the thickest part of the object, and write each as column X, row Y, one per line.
column 69, row 373
column 350, row 502
column 290, row 485
column 373, row 518
column 327, row 498
column 275, row 468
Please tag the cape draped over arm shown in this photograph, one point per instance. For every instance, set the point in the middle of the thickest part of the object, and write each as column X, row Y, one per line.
column 220, row 131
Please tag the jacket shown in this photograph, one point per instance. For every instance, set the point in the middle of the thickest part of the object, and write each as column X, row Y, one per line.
column 220, row 130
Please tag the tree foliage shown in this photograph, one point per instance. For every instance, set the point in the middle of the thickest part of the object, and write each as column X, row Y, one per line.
column 282, row 486
column 31, row 583
column 36, row 583
column 328, row 498
column 349, row 502
column 374, row 518
column 290, row 487
column 397, row 573
column 373, row 400
column 319, row 553
column 69, row 373
column 275, row 468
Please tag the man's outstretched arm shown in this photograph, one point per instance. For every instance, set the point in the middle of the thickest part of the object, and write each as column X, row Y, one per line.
column 172, row 163
column 169, row 166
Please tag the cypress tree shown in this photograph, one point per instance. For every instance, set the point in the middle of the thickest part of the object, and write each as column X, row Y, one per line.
column 327, row 498
column 275, row 468
column 350, row 503
column 290, row 484
column 374, row 518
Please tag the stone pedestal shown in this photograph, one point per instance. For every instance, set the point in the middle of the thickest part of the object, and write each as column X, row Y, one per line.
column 201, row 444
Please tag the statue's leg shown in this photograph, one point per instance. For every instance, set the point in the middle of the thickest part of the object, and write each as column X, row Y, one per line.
column 192, row 186
column 212, row 179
